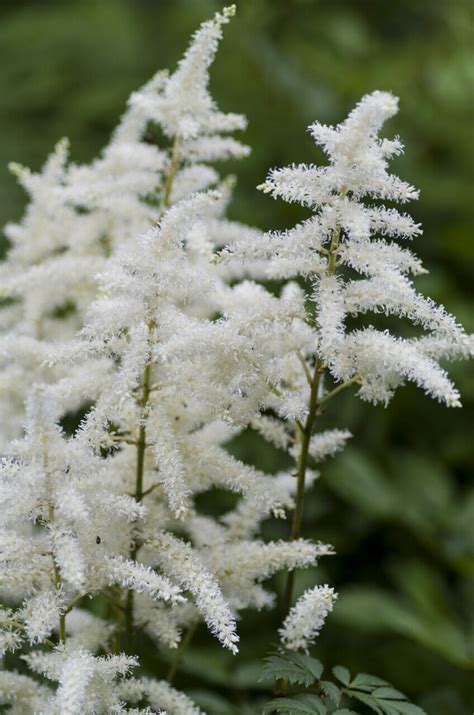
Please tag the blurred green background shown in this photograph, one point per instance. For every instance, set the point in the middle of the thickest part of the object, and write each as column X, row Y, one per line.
column 399, row 504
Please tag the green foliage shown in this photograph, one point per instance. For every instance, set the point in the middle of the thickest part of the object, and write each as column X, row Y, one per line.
column 301, row 704
column 325, row 696
column 295, row 667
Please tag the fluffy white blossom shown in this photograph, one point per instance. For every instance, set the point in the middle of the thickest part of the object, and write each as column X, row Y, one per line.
column 87, row 684
column 347, row 231
column 133, row 300
column 79, row 215
column 307, row 617
column 160, row 695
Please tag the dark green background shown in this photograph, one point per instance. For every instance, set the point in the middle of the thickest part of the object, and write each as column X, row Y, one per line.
column 399, row 504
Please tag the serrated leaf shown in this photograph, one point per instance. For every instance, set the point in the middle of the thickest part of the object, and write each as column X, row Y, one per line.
column 312, row 665
column 313, row 701
column 367, row 700
column 388, row 694
column 277, row 667
column 331, row 691
column 386, row 700
column 388, row 707
column 364, row 679
column 295, row 667
column 304, row 705
column 342, row 674
column 405, row 708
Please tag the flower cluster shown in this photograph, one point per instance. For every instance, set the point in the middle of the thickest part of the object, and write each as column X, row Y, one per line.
column 306, row 618
column 132, row 299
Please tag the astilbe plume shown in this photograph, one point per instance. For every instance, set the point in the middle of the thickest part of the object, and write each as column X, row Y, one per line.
column 79, row 214
column 103, row 511
column 117, row 273
column 348, row 236
column 349, row 265
column 306, row 618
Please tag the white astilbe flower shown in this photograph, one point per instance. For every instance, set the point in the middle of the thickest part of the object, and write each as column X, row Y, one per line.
column 22, row 694
column 87, row 685
column 241, row 566
column 88, row 631
column 159, row 694
column 181, row 562
column 41, row 613
column 347, row 232
column 83, row 531
column 10, row 637
column 183, row 105
column 307, row 617
column 161, row 623
column 141, row 579
column 134, row 302
column 244, row 521
column 172, row 474
column 328, row 443
column 79, row 215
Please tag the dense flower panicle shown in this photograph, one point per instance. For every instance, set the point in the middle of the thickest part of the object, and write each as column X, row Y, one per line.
column 55, row 476
column 243, row 565
column 183, row 564
column 160, row 695
column 80, row 214
column 307, row 617
column 183, row 105
column 135, row 302
column 348, row 234
column 22, row 692
column 88, row 684
column 142, row 579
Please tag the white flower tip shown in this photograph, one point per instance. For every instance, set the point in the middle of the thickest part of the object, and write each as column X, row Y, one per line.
column 229, row 12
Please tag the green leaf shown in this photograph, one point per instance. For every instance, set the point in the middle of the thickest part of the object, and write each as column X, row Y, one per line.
column 409, row 709
column 388, row 694
column 364, row 679
column 277, row 668
column 295, row 667
column 345, row 711
column 312, row 665
column 367, row 700
column 342, row 674
column 331, row 691
column 384, row 699
column 303, row 705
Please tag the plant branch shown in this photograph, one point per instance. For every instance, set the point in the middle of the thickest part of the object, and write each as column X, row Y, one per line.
column 138, row 495
column 337, row 390
column 301, row 475
column 184, row 643
column 174, row 162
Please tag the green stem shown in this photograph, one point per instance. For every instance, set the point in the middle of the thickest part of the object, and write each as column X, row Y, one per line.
column 337, row 390
column 21, row 627
column 185, row 641
column 141, row 443
column 139, row 472
column 71, row 605
column 57, row 581
column 304, row 366
column 174, row 162
column 281, row 688
column 301, row 475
